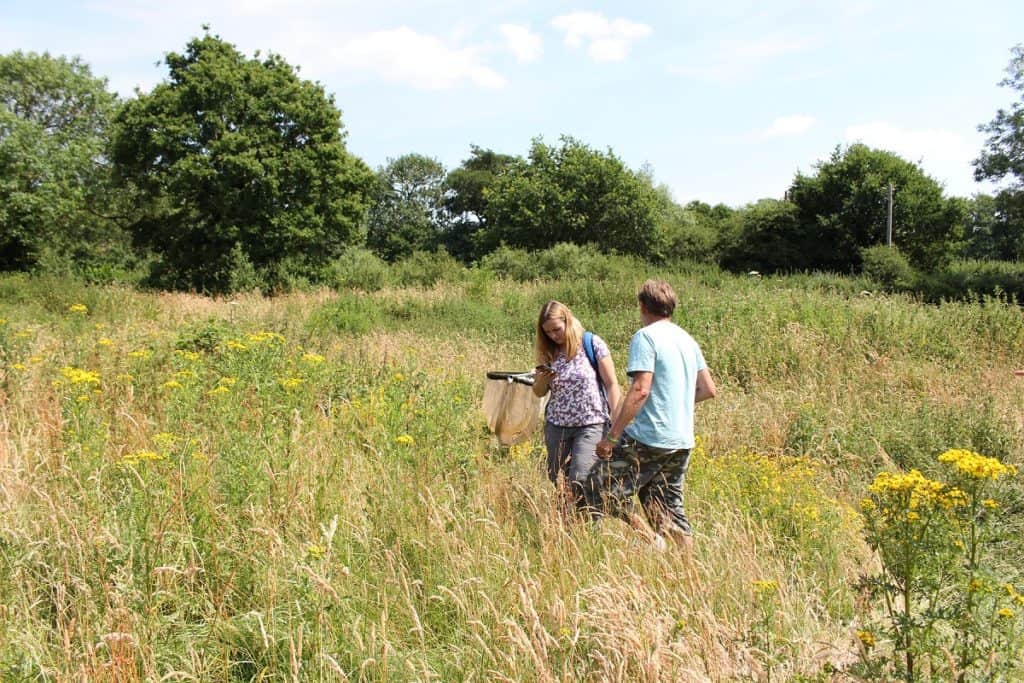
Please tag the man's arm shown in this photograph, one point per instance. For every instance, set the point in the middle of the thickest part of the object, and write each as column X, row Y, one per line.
column 636, row 396
column 705, row 386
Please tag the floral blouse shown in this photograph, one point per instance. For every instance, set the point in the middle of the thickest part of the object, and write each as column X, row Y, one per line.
column 575, row 399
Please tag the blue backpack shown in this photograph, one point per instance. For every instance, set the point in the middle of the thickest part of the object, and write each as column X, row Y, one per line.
column 588, row 348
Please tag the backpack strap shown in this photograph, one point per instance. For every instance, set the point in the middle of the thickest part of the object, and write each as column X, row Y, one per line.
column 588, row 348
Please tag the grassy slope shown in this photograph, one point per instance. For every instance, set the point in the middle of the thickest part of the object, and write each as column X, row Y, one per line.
column 278, row 527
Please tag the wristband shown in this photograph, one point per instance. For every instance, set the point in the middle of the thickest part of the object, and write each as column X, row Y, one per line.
column 613, row 440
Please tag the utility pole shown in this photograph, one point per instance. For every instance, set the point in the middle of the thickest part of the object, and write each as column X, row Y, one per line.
column 889, row 230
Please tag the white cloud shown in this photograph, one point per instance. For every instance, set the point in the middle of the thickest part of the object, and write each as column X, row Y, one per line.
column 789, row 125
column 608, row 40
column 736, row 59
column 526, row 46
column 423, row 61
column 943, row 154
column 929, row 144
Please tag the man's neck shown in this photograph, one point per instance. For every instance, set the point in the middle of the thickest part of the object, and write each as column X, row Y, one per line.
column 650, row 319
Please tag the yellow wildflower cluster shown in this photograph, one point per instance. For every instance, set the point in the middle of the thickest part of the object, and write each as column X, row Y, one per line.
column 921, row 490
column 264, row 337
column 218, row 390
column 312, row 358
column 765, row 587
column 190, row 356
column 141, row 456
column 1017, row 598
column 105, row 341
column 866, row 637
column 234, row 345
column 1006, row 613
column 976, row 465
column 140, row 353
column 171, row 384
column 78, row 376
column 405, row 440
column 78, row 308
column 316, row 551
column 165, row 440
column 291, row 382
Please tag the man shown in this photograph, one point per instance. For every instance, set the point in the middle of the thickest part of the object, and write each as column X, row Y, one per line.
column 647, row 449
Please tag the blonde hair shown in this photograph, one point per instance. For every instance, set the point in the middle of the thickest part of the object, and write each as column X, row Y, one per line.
column 547, row 350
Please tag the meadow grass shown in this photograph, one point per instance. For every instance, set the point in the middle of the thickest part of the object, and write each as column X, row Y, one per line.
column 303, row 488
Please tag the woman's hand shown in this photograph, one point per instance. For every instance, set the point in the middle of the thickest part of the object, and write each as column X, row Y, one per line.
column 542, row 376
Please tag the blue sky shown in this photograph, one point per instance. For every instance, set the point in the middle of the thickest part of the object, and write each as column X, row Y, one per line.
column 724, row 100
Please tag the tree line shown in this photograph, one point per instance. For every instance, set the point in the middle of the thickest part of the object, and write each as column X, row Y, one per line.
column 233, row 171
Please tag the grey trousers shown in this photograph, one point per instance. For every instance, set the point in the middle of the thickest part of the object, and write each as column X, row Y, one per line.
column 572, row 452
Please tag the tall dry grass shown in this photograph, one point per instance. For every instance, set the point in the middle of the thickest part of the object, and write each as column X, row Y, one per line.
column 349, row 518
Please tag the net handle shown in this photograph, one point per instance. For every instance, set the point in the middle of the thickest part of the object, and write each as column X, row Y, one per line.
column 518, row 377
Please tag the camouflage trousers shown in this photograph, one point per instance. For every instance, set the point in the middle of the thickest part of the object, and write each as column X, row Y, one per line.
column 654, row 475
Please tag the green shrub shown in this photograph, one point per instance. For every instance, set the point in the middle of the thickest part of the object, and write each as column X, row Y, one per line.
column 358, row 268
column 351, row 312
column 888, row 267
column 509, row 263
column 427, row 268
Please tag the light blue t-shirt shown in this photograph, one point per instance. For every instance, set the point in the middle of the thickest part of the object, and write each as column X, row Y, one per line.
column 667, row 350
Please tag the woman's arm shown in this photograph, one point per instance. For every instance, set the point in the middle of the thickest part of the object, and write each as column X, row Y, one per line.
column 606, row 366
column 541, row 380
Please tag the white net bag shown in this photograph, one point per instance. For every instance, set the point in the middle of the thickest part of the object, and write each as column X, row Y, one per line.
column 512, row 411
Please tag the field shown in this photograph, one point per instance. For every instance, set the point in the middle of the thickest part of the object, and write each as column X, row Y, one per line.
column 303, row 487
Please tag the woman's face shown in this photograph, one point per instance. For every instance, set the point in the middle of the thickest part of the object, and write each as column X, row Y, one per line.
column 554, row 328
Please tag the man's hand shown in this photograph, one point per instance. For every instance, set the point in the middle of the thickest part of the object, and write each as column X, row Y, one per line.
column 604, row 449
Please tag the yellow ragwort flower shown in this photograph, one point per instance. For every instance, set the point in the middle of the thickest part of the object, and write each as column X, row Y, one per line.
column 164, row 440
column 404, row 440
column 866, row 637
column 264, row 336
column 765, row 587
column 1006, row 613
column 78, row 376
column 78, row 308
column 218, row 390
column 104, row 341
column 313, row 358
column 976, row 465
column 141, row 456
column 171, row 384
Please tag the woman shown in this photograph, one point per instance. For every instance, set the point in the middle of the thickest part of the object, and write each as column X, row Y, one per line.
column 577, row 415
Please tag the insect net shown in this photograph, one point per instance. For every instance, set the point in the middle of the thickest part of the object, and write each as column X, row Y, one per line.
column 512, row 410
